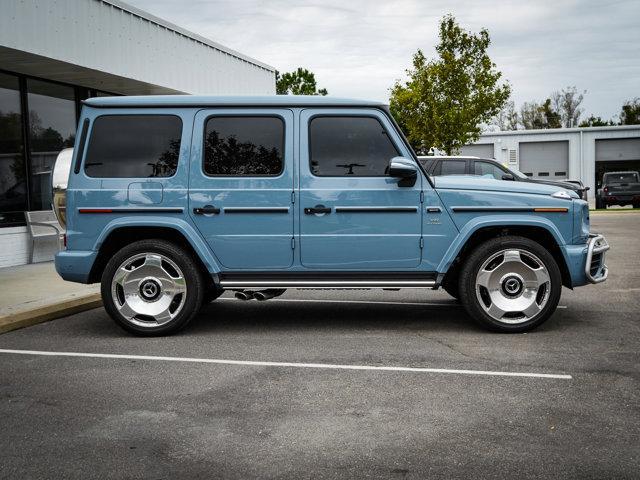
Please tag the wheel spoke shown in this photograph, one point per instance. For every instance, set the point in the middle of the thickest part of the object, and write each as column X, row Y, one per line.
column 512, row 256
column 484, row 278
column 495, row 311
column 126, row 311
column 531, row 310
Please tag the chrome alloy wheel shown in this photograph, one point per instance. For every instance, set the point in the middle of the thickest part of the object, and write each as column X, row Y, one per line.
column 513, row 286
column 149, row 289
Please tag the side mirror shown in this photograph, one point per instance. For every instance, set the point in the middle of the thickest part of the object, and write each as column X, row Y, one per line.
column 508, row 176
column 403, row 169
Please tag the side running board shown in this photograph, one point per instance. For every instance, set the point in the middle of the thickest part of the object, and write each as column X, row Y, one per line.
column 328, row 280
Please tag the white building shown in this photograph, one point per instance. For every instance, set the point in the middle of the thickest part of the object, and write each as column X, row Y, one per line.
column 56, row 53
column 564, row 153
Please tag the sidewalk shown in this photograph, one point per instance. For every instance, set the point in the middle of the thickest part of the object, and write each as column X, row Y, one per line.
column 31, row 294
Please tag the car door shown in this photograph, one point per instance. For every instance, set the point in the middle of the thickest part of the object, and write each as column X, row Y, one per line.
column 241, row 186
column 353, row 215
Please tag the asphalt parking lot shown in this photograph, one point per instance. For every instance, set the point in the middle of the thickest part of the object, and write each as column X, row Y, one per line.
column 132, row 417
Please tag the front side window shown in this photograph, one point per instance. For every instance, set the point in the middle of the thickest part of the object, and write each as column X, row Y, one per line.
column 349, row 146
column 488, row 169
column 244, row 146
column 452, row 167
column 123, row 146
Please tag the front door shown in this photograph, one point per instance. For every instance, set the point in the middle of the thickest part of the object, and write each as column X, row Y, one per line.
column 241, row 186
column 353, row 215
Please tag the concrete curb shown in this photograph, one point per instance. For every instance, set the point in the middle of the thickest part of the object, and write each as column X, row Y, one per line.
column 26, row 318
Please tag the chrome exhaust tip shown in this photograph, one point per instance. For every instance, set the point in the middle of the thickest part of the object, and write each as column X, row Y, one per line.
column 244, row 295
column 264, row 295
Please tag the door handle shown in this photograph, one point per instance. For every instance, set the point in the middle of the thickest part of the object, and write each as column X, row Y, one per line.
column 206, row 210
column 317, row 209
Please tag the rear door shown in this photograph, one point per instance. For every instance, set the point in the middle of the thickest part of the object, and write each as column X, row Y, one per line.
column 353, row 215
column 241, row 186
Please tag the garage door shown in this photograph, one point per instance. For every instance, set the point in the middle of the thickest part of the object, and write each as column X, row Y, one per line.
column 617, row 155
column 545, row 159
column 482, row 150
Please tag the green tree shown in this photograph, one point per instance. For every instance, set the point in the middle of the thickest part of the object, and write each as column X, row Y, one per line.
column 552, row 118
column 446, row 100
column 531, row 116
column 567, row 103
column 630, row 114
column 298, row 82
column 507, row 118
column 594, row 121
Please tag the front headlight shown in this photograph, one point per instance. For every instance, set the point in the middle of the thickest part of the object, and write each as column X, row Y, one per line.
column 581, row 225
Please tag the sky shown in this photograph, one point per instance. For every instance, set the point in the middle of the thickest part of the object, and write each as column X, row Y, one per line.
column 359, row 48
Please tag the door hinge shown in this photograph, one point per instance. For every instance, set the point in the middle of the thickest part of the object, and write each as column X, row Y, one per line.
column 293, row 197
column 421, row 197
column 293, row 243
column 421, row 242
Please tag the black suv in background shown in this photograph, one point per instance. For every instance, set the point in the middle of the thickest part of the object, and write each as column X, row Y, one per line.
column 437, row 166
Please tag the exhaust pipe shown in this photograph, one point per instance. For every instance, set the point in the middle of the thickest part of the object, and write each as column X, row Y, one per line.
column 263, row 295
column 244, row 295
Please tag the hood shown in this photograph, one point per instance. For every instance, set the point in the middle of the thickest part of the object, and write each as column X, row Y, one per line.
column 557, row 183
column 471, row 182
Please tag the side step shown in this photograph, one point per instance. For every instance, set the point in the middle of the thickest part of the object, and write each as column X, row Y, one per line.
column 329, row 280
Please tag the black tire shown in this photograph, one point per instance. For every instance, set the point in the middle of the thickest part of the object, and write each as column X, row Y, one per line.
column 190, row 275
column 473, row 264
column 211, row 294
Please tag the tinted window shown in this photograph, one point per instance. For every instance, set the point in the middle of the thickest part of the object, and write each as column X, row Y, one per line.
column 244, row 146
column 52, row 127
column 356, row 146
column 489, row 169
column 134, row 146
column 13, row 185
column 452, row 167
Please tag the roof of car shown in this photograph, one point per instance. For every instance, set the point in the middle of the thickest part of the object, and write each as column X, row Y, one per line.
column 223, row 101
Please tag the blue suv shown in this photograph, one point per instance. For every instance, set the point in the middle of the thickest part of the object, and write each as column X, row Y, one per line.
column 171, row 200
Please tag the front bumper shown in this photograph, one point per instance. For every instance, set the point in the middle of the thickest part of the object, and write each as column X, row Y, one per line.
column 595, row 270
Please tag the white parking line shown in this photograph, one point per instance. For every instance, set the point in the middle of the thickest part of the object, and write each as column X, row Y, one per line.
column 327, row 366
column 374, row 302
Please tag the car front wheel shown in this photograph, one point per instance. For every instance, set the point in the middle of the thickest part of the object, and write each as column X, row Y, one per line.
column 510, row 284
column 152, row 287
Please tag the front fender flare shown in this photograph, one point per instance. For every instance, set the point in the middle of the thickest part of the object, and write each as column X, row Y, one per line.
column 506, row 221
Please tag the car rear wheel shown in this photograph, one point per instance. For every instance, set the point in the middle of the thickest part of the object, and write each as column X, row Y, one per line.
column 510, row 284
column 152, row 288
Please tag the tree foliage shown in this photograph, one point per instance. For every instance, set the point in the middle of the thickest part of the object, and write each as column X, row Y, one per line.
column 630, row 114
column 594, row 121
column 567, row 102
column 445, row 100
column 299, row 82
column 507, row 118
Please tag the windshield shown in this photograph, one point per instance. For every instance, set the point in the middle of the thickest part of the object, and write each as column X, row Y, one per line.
column 620, row 177
column 517, row 173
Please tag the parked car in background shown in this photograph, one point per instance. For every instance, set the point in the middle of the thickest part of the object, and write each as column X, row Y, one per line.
column 172, row 200
column 458, row 165
column 619, row 188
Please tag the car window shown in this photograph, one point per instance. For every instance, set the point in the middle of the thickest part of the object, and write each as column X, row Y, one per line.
column 621, row 177
column 451, row 167
column 488, row 169
column 244, row 146
column 123, row 146
column 349, row 146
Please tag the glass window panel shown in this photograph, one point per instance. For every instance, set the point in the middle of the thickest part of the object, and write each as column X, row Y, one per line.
column 13, row 185
column 135, row 146
column 357, row 146
column 52, row 127
column 489, row 169
column 453, row 167
column 244, row 146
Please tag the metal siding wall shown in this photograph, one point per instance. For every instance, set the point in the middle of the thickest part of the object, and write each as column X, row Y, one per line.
column 99, row 36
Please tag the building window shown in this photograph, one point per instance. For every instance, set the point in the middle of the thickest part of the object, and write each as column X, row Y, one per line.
column 13, row 184
column 52, row 127
column 244, row 146
column 135, row 146
column 341, row 146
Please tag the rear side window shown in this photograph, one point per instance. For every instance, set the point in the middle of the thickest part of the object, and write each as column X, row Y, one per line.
column 123, row 146
column 345, row 146
column 488, row 169
column 244, row 146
